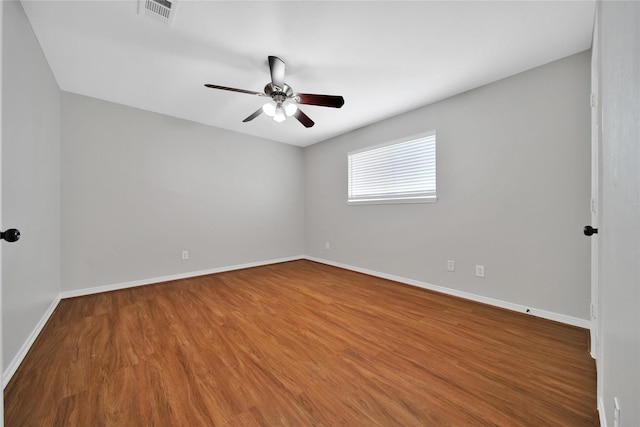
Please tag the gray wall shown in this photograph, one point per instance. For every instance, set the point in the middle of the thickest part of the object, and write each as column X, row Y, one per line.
column 30, row 182
column 513, row 161
column 139, row 187
column 619, row 234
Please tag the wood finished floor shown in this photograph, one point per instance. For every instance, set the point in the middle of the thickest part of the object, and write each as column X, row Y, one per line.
column 299, row 344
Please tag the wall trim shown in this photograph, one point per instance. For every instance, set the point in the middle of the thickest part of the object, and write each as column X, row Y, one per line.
column 22, row 353
column 601, row 415
column 562, row 318
column 153, row 280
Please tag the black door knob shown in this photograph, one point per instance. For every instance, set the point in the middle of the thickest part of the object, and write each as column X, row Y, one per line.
column 11, row 235
column 589, row 230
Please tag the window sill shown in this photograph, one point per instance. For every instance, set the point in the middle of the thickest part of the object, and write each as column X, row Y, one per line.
column 432, row 199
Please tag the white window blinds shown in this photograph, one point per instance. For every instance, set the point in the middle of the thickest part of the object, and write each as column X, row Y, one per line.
column 397, row 172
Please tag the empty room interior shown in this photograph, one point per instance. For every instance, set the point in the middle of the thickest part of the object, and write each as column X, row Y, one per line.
column 297, row 213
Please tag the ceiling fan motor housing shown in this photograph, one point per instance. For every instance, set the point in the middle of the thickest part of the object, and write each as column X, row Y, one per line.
column 277, row 94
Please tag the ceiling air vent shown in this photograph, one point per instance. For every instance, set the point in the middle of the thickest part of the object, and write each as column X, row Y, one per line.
column 162, row 10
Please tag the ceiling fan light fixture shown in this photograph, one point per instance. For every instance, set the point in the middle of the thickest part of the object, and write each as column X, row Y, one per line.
column 269, row 109
column 290, row 109
column 279, row 115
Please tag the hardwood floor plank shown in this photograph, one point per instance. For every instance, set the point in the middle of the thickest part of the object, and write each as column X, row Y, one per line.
column 299, row 344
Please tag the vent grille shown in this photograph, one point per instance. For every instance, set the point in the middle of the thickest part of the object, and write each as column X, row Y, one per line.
column 163, row 10
column 161, row 7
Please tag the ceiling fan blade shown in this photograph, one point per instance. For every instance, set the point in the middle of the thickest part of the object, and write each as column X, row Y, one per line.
column 253, row 116
column 303, row 118
column 276, row 65
column 320, row 100
column 232, row 89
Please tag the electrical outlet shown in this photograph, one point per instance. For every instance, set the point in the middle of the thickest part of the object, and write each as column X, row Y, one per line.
column 479, row 270
column 327, row 245
column 185, row 255
column 451, row 265
column 616, row 412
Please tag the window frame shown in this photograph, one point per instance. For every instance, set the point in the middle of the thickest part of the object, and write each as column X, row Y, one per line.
column 379, row 200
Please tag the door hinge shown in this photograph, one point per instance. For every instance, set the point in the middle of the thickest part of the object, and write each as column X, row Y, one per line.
column 594, row 100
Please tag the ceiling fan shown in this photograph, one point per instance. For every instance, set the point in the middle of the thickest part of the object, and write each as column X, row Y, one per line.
column 284, row 99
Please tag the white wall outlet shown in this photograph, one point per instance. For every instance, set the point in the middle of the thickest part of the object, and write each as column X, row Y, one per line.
column 327, row 245
column 451, row 265
column 616, row 412
column 479, row 270
column 185, row 255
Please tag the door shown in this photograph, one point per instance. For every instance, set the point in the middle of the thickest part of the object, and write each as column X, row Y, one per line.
column 1, row 334
column 596, row 119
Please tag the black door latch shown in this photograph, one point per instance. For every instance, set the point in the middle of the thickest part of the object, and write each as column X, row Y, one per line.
column 589, row 230
column 11, row 235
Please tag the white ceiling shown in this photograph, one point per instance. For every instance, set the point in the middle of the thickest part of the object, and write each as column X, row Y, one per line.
column 383, row 57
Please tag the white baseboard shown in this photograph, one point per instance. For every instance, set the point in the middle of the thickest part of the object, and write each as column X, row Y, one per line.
column 142, row 282
column 562, row 318
column 17, row 360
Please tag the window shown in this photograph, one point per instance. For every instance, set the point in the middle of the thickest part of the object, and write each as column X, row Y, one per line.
column 398, row 172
